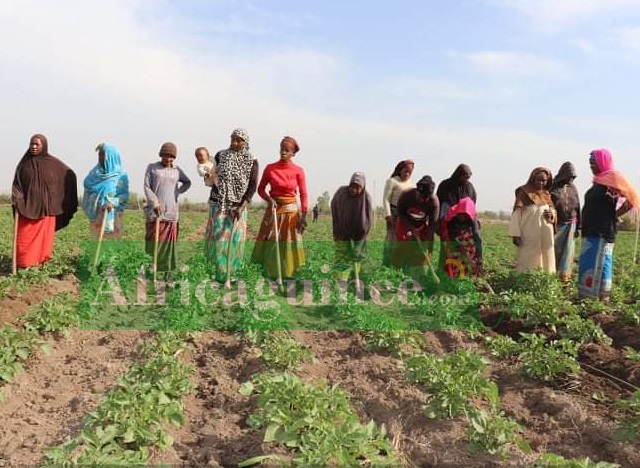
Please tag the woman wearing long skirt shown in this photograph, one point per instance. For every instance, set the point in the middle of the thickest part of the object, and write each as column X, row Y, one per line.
column 396, row 185
column 566, row 200
column 163, row 182
column 458, row 226
column 285, row 180
column 45, row 198
column 106, row 188
column 417, row 221
column 532, row 223
column 351, row 215
column 610, row 196
column 226, row 233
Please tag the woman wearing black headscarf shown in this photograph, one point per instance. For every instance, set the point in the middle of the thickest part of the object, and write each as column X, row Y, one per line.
column 566, row 200
column 45, row 198
column 417, row 218
column 458, row 226
column 351, row 213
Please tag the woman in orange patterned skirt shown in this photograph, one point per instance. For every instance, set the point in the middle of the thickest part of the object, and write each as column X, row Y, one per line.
column 285, row 180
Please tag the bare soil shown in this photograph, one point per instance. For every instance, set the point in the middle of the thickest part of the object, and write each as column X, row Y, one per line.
column 573, row 416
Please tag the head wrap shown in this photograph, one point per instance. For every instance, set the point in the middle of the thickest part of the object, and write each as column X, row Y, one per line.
column 291, row 140
column 351, row 215
column 358, row 178
column 426, row 186
column 608, row 176
column 168, row 148
column 564, row 194
column 44, row 186
column 565, row 173
column 451, row 190
column 529, row 194
column 603, row 160
column 234, row 173
column 401, row 165
column 243, row 134
column 106, row 183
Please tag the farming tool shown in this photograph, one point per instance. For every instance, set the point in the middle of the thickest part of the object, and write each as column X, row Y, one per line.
column 432, row 272
column 227, row 283
column 100, row 237
column 635, row 247
column 276, row 229
column 156, row 242
column 14, row 265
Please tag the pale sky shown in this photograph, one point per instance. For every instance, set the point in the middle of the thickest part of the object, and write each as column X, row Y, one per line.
column 502, row 85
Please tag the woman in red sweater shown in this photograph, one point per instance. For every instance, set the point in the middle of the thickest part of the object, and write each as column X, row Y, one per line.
column 285, row 180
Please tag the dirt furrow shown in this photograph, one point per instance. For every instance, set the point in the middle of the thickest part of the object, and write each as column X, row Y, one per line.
column 47, row 403
column 15, row 303
column 379, row 390
column 215, row 431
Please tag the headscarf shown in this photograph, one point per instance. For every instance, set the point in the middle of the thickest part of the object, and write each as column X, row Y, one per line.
column 528, row 194
column 106, row 183
column 234, row 172
column 565, row 194
column 566, row 172
column 451, row 191
column 169, row 149
column 466, row 206
column 44, row 186
column 616, row 180
column 289, row 139
column 352, row 215
column 426, row 186
column 401, row 165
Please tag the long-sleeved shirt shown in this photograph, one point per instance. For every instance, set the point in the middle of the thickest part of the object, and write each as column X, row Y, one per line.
column 284, row 180
column 393, row 188
column 162, row 185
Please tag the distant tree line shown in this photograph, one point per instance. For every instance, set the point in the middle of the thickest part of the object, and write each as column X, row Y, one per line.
column 136, row 202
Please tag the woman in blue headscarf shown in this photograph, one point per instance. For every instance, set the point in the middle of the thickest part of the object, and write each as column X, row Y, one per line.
column 106, row 189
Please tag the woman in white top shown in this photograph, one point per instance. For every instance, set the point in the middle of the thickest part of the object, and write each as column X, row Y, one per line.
column 398, row 183
column 532, row 223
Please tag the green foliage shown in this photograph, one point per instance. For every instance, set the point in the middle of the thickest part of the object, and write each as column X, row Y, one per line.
column 629, row 426
column 502, row 346
column 492, row 432
column 398, row 343
column 279, row 350
column 324, row 203
column 546, row 360
column 57, row 314
column 317, row 422
column 551, row 460
column 16, row 345
column 130, row 419
column 582, row 330
column 632, row 353
column 451, row 381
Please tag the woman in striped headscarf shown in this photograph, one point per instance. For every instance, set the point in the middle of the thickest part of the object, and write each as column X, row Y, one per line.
column 227, row 226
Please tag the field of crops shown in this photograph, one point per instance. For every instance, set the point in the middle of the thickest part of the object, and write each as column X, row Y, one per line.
column 104, row 368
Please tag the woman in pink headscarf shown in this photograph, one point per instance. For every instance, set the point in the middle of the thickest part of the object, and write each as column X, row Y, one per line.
column 610, row 196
